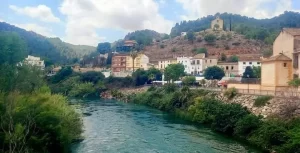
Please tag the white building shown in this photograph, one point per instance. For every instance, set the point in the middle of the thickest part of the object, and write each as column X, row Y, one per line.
column 186, row 62
column 183, row 34
column 35, row 61
column 242, row 64
column 197, row 64
column 144, row 61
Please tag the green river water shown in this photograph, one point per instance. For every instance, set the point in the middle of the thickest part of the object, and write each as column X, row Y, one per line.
column 115, row 127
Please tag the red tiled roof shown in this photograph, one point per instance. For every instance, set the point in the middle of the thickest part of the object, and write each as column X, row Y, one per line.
column 280, row 57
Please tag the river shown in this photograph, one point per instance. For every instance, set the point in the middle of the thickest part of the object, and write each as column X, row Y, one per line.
column 115, row 127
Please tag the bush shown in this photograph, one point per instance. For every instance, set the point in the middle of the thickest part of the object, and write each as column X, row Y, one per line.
column 262, row 101
column 230, row 93
column 92, row 76
column 170, row 87
column 62, row 74
column 210, row 38
column 246, row 125
column 162, row 46
column 82, row 90
column 189, row 80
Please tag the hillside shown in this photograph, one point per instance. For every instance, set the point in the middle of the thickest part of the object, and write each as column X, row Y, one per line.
column 229, row 43
column 261, row 29
column 70, row 50
column 53, row 50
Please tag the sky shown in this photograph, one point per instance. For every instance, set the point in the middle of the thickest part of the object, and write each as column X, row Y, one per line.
column 88, row 22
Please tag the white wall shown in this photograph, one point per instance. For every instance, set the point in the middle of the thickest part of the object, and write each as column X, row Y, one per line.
column 197, row 68
column 163, row 64
column 244, row 64
column 186, row 62
column 144, row 62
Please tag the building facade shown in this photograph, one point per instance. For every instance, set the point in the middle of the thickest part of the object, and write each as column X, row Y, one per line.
column 162, row 64
column 217, row 24
column 230, row 69
column 276, row 72
column 187, row 63
column 244, row 63
column 197, row 64
column 118, row 63
column 35, row 61
column 140, row 62
column 288, row 43
column 209, row 62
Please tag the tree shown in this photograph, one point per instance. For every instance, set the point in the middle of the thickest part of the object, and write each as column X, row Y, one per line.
column 140, row 77
column 174, row 72
column 257, row 71
column 62, row 74
column 216, row 27
column 248, row 73
column 154, row 74
column 191, row 36
column 202, row 50
column 223, row 57
column 233, row 58
column 210, row 38
column 133, row 56
column 103, row 48
column 214, row 72
column 12, row 48
column 267, row 53
column 92, row 77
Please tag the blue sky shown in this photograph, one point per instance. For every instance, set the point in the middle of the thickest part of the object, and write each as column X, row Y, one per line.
column 92, row 21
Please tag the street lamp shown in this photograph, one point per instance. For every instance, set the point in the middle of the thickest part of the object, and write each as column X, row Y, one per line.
column 248, row 81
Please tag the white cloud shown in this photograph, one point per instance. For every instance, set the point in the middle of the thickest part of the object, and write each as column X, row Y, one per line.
column 41, row 12
column 85, row 17
column 37, row 28
column 252, row 8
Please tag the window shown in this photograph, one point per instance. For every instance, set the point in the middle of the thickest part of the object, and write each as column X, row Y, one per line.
column 250, row 63
column 198, row 62
column 284, row 65
column 210, row 61
column 244, row 63
column 161, row 66
column 258, row 63
column 231, row 67
column 226, row 67
column 205, row 61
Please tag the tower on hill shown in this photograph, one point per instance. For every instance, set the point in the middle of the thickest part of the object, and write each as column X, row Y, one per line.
column 217, row 24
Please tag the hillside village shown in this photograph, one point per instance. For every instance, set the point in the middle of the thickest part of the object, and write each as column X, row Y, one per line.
column 198, row 54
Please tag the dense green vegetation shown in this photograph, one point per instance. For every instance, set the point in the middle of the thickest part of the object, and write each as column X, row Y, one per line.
column 144, row 37
column 260, row 29
column 32, row 119
column 214, row 72
column 262, row 101
column 199, row 106
column 52, row 50
column 173, row 72
column 91, row 84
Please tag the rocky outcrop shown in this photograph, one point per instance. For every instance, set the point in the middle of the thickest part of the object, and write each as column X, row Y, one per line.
column 286, row 107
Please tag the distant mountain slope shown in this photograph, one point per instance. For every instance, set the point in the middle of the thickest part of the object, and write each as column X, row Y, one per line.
column 70, row 50
column 261, row 29
column 50, row 49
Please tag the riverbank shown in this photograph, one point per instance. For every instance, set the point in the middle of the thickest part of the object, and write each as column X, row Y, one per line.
column 203, row 107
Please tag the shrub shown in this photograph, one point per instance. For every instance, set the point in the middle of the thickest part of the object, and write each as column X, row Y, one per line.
column 189, row 80
column 210, row 38
column 152, row 88
column 231, row 93
column 170, row 87
column 174, row 49
column 246, row 125
column 91, row 76
column 82, row 90
column 162, row 46
column 262, row 101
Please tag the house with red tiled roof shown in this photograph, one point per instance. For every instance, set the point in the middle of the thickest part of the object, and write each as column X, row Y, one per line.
column 288, row 43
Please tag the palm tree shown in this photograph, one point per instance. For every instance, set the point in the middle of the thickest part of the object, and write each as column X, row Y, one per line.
column 133, row 55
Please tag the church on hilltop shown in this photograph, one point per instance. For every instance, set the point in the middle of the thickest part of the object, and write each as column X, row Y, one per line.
column 217, row 24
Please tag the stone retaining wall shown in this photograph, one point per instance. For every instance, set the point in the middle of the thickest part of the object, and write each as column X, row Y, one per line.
column 287, row 107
